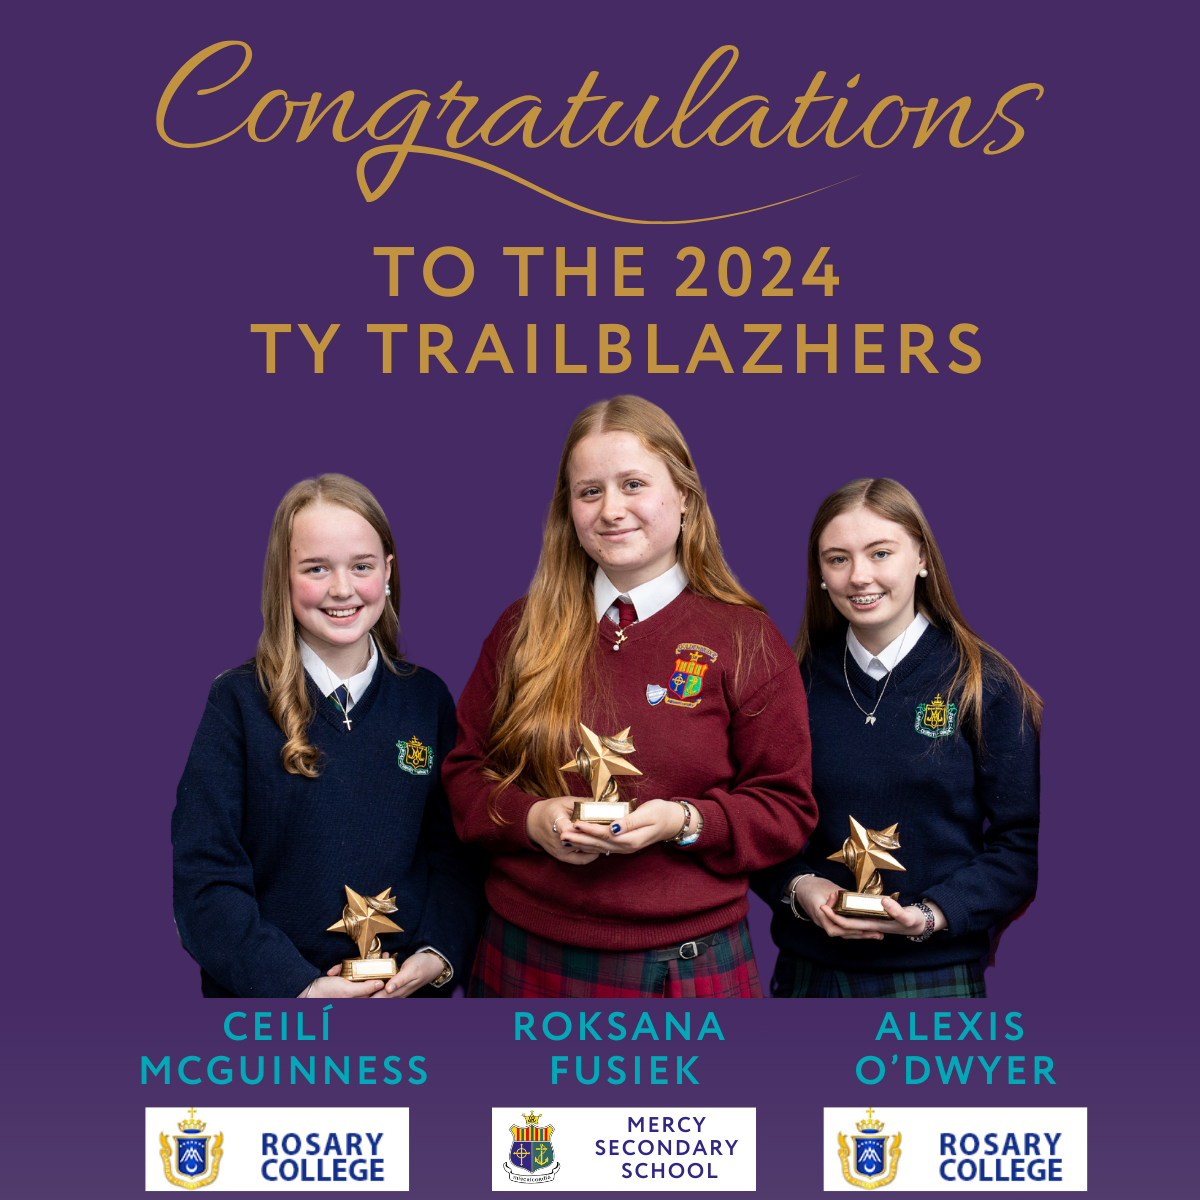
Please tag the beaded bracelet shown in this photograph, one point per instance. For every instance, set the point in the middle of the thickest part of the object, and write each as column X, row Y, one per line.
column 687, row 820
column 688, row 812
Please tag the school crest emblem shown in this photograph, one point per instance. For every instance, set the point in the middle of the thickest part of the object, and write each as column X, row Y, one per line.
column 196, row 1157
column 687, row 680
column 936, row 718
column 531, row 1152
column 875, row 1162
column 415, row 757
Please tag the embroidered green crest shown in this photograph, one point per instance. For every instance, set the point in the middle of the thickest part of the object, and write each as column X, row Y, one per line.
column 415, row 757
column 935, row 718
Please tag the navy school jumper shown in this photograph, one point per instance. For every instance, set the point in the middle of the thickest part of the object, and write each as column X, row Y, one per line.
column 262, row 856
column 968, row 817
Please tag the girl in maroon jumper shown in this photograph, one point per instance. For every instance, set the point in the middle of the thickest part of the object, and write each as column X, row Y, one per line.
column 632, row 619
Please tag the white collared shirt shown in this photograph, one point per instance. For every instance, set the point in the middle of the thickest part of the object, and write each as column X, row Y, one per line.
column 327, row 681
column 646, row 598
column 879, row 665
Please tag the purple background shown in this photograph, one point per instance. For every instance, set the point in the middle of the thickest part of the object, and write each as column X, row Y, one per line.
column 150, row 450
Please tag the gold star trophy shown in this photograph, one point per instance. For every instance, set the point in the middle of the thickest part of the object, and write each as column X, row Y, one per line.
column 864, row 852
column 362, row 921
column 598, row 760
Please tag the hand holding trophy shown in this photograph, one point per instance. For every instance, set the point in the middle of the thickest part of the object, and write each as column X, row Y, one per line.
column 598, row 760
column 864, row 852
column 362, row 921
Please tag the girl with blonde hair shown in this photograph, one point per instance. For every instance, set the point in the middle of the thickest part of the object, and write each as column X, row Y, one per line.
column 297, row 789
column 916, row 722
column 633, row 620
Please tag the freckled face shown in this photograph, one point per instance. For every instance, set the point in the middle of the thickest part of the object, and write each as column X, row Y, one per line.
column 870, row 565
column 337, row 575
column 625, row 506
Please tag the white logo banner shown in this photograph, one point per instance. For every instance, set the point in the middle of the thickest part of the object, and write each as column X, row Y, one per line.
column 955, row 1149
column 282, row 1150
column 623, row 1149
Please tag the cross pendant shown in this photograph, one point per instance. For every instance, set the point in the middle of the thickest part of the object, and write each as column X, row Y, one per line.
column 346, row 719
column 870, row 719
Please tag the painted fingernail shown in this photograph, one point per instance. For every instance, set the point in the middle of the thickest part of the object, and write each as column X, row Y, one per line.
column 565, row 842
column 615, row 827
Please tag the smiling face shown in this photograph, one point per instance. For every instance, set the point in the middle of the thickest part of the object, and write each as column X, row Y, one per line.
column 625, row 506
column 870, row 566
column 337, row 573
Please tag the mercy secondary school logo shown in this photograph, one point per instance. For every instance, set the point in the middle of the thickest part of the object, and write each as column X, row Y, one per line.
column 875, row 1163
column 935, row 718
column 194, row 1163
column 415, row 757
column 683, row 689
column 531, row 1151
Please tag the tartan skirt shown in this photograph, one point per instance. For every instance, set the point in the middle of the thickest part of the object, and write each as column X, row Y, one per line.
column 797, row 977
column 513, row 963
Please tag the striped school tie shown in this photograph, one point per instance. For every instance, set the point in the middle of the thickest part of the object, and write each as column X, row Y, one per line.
column 341, row 697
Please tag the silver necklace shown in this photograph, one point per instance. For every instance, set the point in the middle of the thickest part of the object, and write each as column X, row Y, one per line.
column 870, row 715
column 344, row 684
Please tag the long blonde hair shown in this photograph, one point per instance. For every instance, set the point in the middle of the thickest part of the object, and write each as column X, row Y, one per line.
column 934, row 598
column 548, row 659
column 278, row 663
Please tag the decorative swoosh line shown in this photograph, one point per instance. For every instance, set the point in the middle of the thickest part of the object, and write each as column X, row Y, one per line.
column 402, row 151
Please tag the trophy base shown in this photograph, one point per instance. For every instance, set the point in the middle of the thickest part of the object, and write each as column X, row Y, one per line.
column 860, row 904
column 358, row 970
column 600, row 812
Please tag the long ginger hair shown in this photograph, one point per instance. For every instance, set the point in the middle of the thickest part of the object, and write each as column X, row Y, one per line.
column 548, row 659
column 278, row 663
column 934, row 598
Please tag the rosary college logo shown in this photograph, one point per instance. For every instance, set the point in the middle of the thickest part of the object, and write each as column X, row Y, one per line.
column 875, row 1162
column 415, row 757
column 531, row 1151
column 194, row 1162
column 935, row 718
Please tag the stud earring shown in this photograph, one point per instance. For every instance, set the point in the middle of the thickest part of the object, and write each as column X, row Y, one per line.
column 923, row 573
column 824, row 586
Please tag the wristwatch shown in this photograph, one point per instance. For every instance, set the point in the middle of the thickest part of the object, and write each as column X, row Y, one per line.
column 447, row 969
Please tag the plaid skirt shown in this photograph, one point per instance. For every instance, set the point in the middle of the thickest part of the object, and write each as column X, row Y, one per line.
column 797, row 977
column 514, row 963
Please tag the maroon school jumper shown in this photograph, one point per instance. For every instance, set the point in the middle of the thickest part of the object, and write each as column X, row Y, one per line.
column 739, row 753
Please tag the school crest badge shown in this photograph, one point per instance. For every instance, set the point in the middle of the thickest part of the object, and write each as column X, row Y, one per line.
column 687, row 680
column 531, row 1152
column 936, row 718
column 415, row 757
column 196, row 1157
column 875, row 1162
